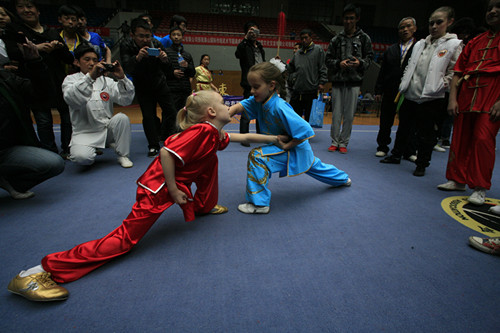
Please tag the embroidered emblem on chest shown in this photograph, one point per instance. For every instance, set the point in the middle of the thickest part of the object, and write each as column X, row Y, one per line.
column 105, row 96
column 442, row 53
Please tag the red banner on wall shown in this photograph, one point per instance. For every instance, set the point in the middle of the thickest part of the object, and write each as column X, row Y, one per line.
column 266, row 42
column 102, row 31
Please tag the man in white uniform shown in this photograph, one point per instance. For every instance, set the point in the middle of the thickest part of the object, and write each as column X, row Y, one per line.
column 90, row 95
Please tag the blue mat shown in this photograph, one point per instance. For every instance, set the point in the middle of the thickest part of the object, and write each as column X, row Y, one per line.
column 381, row 255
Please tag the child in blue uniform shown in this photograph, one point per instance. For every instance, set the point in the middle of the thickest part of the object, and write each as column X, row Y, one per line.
column 276, row 117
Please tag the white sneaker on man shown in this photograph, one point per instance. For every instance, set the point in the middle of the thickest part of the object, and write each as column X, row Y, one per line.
column 412, row 158
column 125, row 162
column 478, row 196
column 380, row 153
column 451, row 185
column 250, row 208
column 439, row 149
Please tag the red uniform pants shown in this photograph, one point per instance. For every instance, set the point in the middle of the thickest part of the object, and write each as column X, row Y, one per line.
column 472, row 151
column 71, row 265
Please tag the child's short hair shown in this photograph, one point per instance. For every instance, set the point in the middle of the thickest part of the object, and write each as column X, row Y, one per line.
column 176, row 28
column 82, row 49
column 139, row 23
column 194, row 111
column 268, row 73
column 176, row 20
column 351, row 8
column 67, row 10
column 80, row 12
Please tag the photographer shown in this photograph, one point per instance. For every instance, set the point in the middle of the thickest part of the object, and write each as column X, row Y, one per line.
column 249, row 52
column 348, row 57
column 144, row 58
column 90, row 96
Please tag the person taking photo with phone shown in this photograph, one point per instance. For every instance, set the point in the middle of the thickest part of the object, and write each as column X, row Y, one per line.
column 146, row 61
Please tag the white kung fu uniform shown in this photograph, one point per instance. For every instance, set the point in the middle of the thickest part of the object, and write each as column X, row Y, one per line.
column 91, row 108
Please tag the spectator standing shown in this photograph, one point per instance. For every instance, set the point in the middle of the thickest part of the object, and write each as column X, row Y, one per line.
column 146, row 61
column 90, row 96
column 475, row 102
column 93, row 38
column 349, row 55
column 309, row 72
column 175, row 21
column 203, row 76
column 425, row 83
column 54, row 52
column 183, row 69
column 250, row 52
column 395, row 60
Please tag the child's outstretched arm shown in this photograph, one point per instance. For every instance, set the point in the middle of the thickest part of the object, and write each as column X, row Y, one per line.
column 278, row 140
column 236, row 108
column 168, row 166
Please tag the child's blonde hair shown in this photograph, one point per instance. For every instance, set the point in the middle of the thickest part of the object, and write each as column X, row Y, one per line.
column 268, row 73
column 194, row 111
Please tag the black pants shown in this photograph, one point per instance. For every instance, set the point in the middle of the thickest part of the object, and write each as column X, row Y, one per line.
column 45, row 123
column 244, row 121
column 424, row 117
column 302, row 102
column 155, row 129
column 387, row 114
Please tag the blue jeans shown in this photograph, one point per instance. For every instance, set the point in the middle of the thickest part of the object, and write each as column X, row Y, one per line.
column 25, row 166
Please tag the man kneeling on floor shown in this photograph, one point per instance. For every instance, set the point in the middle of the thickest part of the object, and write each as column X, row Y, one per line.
column 90, row 95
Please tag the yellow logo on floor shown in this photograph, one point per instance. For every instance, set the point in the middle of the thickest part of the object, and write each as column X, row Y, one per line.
column 477, row 218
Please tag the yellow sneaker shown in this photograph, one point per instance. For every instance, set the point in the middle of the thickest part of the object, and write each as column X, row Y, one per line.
column 38, row 287
column 218, row 209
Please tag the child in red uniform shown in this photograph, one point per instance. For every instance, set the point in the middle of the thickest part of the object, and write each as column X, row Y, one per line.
column 187, row 157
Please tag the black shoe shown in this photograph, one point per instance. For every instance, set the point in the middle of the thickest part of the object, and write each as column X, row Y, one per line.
column 419, row 172
column 445, row 144
column 245, row 144
column 153, row 152
column 391, row 160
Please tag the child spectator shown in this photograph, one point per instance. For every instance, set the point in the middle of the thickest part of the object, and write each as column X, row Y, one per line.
column 183, row 69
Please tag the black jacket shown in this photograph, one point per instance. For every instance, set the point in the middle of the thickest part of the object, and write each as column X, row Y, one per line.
column 54, row 60
column 182, row 84
column 392, row 70
column 245, row 52
column 17, row 94
column 148, row 74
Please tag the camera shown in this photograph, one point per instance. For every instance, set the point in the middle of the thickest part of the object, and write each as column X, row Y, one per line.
column 109, row 67
column 153, row 52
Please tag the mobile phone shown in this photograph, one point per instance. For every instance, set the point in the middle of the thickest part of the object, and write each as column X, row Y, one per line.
column 153, row 52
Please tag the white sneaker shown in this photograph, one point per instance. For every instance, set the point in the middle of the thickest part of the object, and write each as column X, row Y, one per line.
column 125, row 162
column 451, row 185
column 412, row 158
column 478, row 196
column 439, row 149
column 250, row 208
column 380, row 153
column 348, row 182
column 495, row 210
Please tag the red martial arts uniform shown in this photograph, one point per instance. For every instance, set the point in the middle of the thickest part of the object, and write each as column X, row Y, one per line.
column 472, row 151
column 195, row 150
